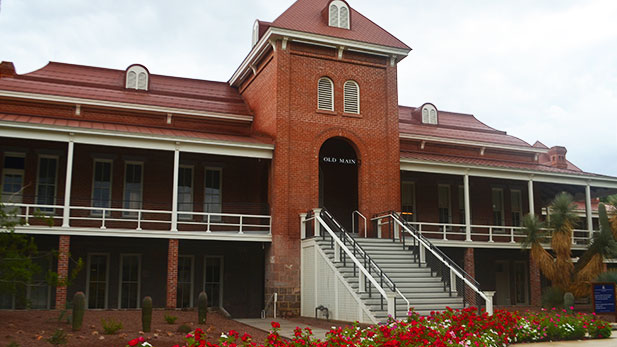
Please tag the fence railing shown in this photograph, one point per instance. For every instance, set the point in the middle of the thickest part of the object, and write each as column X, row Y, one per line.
column 138, row 219
column 455, row 280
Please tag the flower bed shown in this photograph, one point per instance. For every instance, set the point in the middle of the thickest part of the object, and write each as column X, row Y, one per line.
column 464, row 327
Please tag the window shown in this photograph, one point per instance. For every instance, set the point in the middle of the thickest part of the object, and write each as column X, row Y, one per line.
column 408, row 199
column 325, row 94
column 516, row 203
column 461, row 204
column 137, row 77
column 185, row 191
column 184, row 295
column 46, row 182
column 101, row 186
column 338, row 15
column 497, row 199
column 429, row 114
column 351, row 92
column 133, row 188
column 444, row 203
column 213, row 197
column 213, row 280
column 13, row 177
column 97, row 280
column 130, row 270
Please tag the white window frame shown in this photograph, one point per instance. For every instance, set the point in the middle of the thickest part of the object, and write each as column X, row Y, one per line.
column 355, row 108
column 38, row 181
column 503, row 213
column 336, row 21
column 17, row 198
column 413, row 196
column 30, row 286
column 189, row 215
column 520, row 205
column 111, row 185
column 141, row 189
column 221, row 275
column 138, row 71
column 439, row 186
column 214, row 218
column 106, row 280
column 192, row 283
column 319, row 94
column 429, row 114
column 120, row 282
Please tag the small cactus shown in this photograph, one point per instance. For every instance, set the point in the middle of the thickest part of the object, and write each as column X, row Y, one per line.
column 79, row 307
column 146, row 314
column 568, row 301
column 202, row 307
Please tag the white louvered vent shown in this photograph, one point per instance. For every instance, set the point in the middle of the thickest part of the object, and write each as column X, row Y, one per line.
column 325, row 94
column 333, row 15
column 344, row 18
column 429, row 114
column 137, row 77
column 351, row 92
column 339, row 16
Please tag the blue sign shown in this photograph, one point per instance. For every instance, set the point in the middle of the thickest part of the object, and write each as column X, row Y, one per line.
column 604, row 297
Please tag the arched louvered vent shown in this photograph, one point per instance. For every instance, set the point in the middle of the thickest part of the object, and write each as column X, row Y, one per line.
column 351, row 92
column 429, row 114
column 137, row 77
column 339, row 15
column 325, row 94
column 333, row 15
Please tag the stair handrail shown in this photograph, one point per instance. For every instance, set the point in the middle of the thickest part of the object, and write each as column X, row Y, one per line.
column 353, row 221
column 272, row 300
column 439, row 254
column 392, row 286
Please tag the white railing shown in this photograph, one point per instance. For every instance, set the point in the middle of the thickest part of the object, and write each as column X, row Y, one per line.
column 488, row 233
column 363, row 273
column 139, row 219
column 353, row 221
column 425, row 245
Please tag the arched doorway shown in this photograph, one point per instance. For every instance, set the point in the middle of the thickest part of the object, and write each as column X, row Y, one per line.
column 338, row 179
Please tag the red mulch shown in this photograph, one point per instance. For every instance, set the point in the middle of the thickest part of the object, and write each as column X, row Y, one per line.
column 33, row 328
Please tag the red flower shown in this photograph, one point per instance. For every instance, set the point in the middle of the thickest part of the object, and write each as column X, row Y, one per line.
column 275, row 325
column 133, row 342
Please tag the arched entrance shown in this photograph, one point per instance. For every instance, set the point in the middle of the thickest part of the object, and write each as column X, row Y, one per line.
column 338, row 179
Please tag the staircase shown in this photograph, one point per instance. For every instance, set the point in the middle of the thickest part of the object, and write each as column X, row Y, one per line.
column 423, row 288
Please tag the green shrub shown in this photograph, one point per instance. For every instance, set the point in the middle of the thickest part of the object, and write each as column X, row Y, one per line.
column 58, row 338
column 202, row 308
column 79, row 307
column 185, row 329
column 111, row 326
column 170, row 319
column 552, row 297
column 599, row 329
column 146, row 314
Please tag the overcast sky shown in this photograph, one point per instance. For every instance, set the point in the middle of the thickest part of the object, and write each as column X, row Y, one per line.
column 540, row 70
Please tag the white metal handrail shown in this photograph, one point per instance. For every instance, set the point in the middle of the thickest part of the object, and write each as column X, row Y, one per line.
column 241, row 222
column 353, row 221
column 272, row 300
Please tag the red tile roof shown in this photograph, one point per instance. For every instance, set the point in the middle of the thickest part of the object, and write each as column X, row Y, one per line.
column 107, row 84
column 455, row 126
column 467, row 161
column 306, row 16
column 55, row 122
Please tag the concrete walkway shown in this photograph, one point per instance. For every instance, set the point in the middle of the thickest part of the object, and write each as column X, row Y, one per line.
column 287, row 327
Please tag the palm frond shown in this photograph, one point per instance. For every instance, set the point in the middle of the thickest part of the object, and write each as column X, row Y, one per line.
column 532, row 227
column 562, row 215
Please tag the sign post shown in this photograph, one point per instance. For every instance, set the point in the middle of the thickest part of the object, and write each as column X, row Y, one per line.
column 604, row 298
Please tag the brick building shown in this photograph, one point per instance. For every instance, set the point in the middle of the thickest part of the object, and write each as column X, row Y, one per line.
column 168, row 186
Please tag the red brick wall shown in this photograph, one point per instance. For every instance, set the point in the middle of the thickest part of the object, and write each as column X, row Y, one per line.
column 172, row 273
column 470, row 269
column 290, row 83
column 535, row 283
column 63, row 270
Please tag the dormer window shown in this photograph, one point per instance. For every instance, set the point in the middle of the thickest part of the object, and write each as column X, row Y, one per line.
column 137, row 77
column 338, row 14
column 429, row 114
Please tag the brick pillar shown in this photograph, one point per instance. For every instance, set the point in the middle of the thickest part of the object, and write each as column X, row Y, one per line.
column 535, row 284
column 63, row 270
column 172, row 273
column 470, row 269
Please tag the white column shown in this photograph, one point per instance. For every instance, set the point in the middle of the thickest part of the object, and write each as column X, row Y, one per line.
column 66, row 213
column 530, row 196
column 588, row 207
column 489, row 302
column 316, row 226
column 467, row 208
column 174, row 199
column 302, row 226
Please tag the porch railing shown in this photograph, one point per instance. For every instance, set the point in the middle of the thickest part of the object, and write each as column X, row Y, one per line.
column 103, row 218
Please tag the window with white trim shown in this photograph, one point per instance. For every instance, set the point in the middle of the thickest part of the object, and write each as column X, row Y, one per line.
column 213, row 192
column 325, row 94
column 98, row 278
column 137, row 77
column 498, row 211
column 338, row 15
column 130, row 273
column 461, row 204
column 133, row 187
column 351, row 96
column 429, row 114
column 13, row 177
column 184, row 295
column 443, row 191
column 185, row 191
column 213, row 280
column 101, row 185
column 408, row 199
column 46, row 182
column 516, row 203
